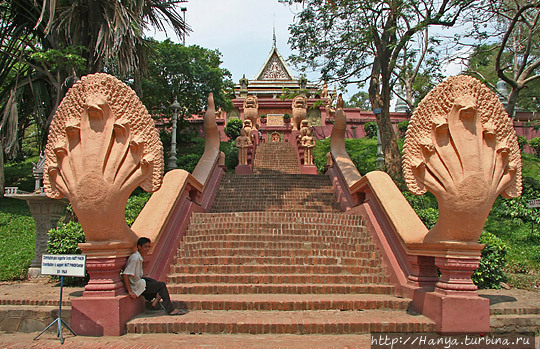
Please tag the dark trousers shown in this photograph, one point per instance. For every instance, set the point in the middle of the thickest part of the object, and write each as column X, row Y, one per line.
column 154, row 287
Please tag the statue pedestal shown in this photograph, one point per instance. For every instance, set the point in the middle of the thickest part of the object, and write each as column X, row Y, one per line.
column 308, row 169
column 104, row 308
column 242, row 169
column 455, row 305
column 46, row 213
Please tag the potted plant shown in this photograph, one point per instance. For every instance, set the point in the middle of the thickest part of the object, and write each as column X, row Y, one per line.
column 263, row 119
column 287, row 118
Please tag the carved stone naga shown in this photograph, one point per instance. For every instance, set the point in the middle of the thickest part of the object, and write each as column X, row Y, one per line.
column 461, row 146
column 102, row 144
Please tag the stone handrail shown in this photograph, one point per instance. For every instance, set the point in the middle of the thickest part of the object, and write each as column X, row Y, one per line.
column 210, row 157
column 166, row 215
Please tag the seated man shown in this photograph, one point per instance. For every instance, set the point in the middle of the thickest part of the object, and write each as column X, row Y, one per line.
column 137, row 285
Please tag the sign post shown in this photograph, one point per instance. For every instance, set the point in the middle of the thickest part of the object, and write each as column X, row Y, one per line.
column 62, row 265
column 533, row 204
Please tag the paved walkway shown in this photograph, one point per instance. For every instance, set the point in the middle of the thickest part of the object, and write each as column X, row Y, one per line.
column 43, row 292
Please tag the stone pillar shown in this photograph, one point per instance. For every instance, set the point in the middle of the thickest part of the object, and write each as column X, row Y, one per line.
column 46, row 212
column 455, row 292
column 104, row 308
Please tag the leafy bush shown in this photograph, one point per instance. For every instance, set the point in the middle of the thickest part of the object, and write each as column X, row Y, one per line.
column 231, row 155
column 232, row 129
column 17, row 239
column 188, row 162
column 135, row 205
column 287, row 116
column 402, row 128
column 370, row 128
column 490, row 273
column 429, row 216
column 535, row 145
column 518, row 208
column 522, row 141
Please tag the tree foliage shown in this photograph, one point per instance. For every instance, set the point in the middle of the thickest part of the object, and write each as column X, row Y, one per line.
column 512, row 29
column 347, row 38
column 188, row 73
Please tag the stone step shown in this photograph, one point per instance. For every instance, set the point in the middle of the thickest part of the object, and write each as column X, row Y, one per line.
column 301, row 218
column 278, row 322
column 289, row 302
column 30, row 317
column 515, row 323
column 295, row 278
column 244, row 260
column 279, row 245
column 301, row 289
column 522, row 310
column 230, row 236
column 275, row 269
column 262, row 252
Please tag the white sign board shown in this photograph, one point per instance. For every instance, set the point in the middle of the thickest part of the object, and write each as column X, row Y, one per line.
column 534, row 203
column 63, row 264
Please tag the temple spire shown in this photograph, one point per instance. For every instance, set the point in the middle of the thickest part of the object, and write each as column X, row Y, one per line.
column 274, row 30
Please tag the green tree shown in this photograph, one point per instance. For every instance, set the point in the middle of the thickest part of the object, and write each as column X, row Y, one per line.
column 515, row 27
column 188, row 73
column 346, row 38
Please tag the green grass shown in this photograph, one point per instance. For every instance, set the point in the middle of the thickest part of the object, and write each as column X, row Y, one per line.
column 17, row 239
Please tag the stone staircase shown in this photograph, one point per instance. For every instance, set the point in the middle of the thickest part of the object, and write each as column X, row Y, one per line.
column 275, row 256
column 281, row 272
column 275, row 158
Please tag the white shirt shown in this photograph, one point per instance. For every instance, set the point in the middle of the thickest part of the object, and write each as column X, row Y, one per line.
column 135, row 271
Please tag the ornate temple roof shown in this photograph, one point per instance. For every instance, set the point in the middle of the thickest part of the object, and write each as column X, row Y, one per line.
column 272, row 80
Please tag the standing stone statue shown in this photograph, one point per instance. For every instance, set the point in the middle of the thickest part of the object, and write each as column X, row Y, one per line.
column 308, row 142
column 243, row 143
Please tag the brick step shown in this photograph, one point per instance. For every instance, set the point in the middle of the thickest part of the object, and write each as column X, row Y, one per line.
column 515, row 311
column 244, row 260
column 285, row 217
column 277, row 278
column 515, row 323
column 280, row 245
column 275, row 269
column 302, row 322
column 289, row 302
column 212, row 235
column 261, row 252
column 264, row 206
column 221, row 288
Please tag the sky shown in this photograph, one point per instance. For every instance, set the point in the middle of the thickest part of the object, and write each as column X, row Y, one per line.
column 242, row 31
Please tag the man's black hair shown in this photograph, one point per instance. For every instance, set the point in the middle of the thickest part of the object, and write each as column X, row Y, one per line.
column 142, row 241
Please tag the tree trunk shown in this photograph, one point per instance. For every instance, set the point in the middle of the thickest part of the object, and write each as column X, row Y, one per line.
column 512, row 101
column 2, row 177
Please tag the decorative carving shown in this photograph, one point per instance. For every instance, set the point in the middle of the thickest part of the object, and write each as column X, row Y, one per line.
column 308, row 143
column 303, row 130
column 274, row 70
column 461, row 146
column 251, row 109
column 102, row 144
column 243, row 143
column 299, row 111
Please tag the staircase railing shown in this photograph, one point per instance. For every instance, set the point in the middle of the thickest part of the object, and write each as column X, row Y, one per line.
column 165, row 217
column 412, row 264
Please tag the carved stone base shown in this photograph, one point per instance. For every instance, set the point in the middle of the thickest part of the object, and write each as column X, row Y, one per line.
column 103, row 316
column 455, row 305
column 105, row 280
column 243, row 169
column 456, row 276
